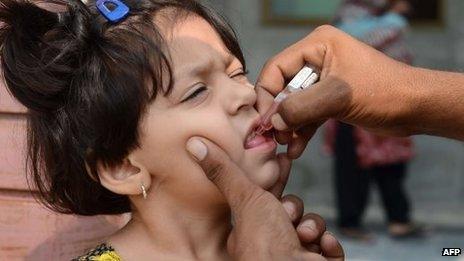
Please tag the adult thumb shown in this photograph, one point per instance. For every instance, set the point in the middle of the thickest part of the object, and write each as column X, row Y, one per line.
column 223, row 172
column 325, row 99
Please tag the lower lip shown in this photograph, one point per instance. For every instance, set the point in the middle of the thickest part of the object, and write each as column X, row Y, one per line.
column 263, row 143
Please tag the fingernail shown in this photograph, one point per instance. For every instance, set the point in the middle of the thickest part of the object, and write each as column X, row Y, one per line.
column 290, row 208
column 309, row 223
column 278, row 123
column 197, row 148
column 328, row 233
column 329, row 236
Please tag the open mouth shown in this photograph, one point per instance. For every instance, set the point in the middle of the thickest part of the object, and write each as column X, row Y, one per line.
column 253, row 140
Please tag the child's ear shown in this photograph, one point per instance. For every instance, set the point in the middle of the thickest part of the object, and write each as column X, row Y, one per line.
column 126, row 178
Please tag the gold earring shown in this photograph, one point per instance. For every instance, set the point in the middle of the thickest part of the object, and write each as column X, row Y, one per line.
column 144, row 191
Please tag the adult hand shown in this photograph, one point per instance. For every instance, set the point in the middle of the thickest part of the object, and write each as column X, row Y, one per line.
column 262, row 228
column 361, row 86
column 310, row 227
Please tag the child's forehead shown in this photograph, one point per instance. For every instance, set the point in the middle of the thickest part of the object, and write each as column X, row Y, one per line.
column 195, row 45
column 193, row 28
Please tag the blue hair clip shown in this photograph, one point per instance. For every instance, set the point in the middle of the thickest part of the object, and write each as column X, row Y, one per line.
column 119, row 12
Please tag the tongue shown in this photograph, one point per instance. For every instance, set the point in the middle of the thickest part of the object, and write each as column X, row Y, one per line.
column 254, row 142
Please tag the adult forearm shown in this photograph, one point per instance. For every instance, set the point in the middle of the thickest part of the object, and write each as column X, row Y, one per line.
column 438, row 103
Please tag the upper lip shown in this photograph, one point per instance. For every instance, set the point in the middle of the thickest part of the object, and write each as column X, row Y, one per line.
column 253, row 126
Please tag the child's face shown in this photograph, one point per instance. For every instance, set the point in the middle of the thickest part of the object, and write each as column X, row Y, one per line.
column 211, row 99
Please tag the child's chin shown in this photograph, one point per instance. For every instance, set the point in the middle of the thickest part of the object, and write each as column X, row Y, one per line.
column 267, row 175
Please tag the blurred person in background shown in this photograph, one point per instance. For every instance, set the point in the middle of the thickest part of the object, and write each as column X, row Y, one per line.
column 360, row 156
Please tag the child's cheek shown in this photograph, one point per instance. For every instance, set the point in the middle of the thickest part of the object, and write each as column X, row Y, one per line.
column 219, row 130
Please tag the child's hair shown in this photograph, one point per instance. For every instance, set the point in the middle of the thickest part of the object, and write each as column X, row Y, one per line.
column 86, row 84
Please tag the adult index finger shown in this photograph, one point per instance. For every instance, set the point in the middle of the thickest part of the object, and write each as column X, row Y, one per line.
column 286, row 64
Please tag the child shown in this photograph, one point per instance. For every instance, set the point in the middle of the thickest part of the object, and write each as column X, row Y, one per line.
column 111, row 107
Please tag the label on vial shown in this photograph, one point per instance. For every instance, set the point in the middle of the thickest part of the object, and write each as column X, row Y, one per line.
column 300, row 78
column 312, row 79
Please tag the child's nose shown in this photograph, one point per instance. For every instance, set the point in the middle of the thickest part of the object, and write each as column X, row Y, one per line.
column 243, row 97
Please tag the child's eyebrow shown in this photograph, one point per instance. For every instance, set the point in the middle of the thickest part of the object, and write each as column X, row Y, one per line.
column 189, row 70
column 198, row 67
column 186, row 72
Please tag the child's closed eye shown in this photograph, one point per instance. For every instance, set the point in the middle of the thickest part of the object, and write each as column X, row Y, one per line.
column 200, row 90
column 240, row 74
column 195, row 93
